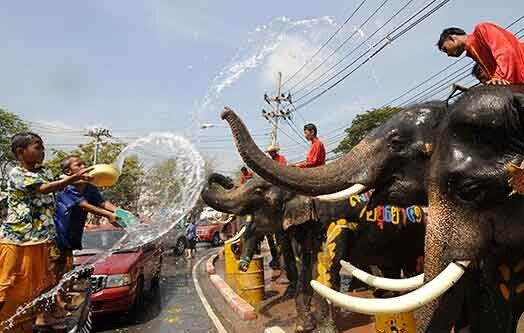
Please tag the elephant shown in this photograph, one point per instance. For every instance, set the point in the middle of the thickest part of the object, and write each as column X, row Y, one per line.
column 324, row 232
column 228, row 202
column 474, row 235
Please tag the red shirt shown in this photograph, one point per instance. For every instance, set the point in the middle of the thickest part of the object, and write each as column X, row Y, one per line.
column 316, row 155
column 280, row 159
column 246, row 177
column 498, row 51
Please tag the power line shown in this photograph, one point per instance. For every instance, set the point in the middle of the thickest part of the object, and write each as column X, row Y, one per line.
column 389, row 41
column 427, row 80
column 375, row 12
column 325, row 44
column 316, row 79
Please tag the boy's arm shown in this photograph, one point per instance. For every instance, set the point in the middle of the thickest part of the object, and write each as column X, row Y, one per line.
column 99, row 211
column 108, row 206
column 58, row 185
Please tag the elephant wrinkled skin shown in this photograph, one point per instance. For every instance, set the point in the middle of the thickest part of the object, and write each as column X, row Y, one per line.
column 464, row 155
column 323, row 233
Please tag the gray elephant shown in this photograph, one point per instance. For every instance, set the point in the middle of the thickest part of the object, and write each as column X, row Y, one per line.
column 465, row 152
column 325, row 232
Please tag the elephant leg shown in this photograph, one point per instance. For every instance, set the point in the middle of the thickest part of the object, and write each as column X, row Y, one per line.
column 289, row 263
column 302, row 249
column 327, row 272
column 275, row 255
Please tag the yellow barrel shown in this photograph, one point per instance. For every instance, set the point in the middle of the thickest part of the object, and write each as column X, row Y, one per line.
column 231, row 261
column 250, row 284
column 231, row 265
column 395, row 322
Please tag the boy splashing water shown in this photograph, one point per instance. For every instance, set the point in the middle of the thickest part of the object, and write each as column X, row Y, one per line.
column 72, row 206
column 28, row 252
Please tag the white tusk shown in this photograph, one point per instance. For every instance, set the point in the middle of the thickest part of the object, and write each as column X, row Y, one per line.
column 408, row 302
column 383, row 283
column 342, row 195
column 236, row 238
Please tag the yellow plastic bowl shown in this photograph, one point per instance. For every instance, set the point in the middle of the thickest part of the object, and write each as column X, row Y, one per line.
column 104, row 175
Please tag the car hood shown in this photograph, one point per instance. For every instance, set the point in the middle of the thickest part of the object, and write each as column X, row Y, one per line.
column 116, row 263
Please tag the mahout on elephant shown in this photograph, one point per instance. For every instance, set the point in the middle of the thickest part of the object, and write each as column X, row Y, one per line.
column 475, row 227
column 325, row 231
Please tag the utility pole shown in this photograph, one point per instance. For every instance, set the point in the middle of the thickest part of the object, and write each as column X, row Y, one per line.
column 97, row 133
column 276, row 113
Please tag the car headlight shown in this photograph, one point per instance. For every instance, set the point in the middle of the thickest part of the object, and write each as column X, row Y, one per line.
column 118, row 280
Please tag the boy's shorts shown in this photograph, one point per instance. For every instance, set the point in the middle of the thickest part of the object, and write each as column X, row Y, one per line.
column 25, row 272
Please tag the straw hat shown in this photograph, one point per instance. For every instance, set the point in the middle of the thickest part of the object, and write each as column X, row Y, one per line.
column 272, row 148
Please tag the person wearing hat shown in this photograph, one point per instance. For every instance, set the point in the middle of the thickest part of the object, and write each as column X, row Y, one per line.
column 282, row 238
column 273, row 151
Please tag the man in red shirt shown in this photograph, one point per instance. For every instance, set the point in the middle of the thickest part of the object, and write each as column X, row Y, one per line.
column 317, row 153
column 273, row 151
column 496, row 50
column 245, row 175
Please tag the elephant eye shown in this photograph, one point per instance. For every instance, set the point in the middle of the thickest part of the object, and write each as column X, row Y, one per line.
column 258, row 190
column 471, row 192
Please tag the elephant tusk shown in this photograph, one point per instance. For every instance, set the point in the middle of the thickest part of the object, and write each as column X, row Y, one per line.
column 383, row 283
column 408, row 302
column 236, row 238
column 342, row 195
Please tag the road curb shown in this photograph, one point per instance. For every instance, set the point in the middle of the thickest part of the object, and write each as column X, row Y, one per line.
column 210, row 264
column 245, row 310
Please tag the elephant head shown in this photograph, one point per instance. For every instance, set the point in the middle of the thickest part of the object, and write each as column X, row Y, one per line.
column 263, row 201
column 472, row 220
column 396, row 156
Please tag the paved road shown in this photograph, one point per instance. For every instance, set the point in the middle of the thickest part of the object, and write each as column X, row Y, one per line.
column 175, row 308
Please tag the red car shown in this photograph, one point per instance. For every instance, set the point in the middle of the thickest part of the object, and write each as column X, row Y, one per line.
column 119, row 281
column 207, row 232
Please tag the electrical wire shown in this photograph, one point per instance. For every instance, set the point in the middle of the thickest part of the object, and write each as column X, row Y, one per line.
column 317, row 78
column 411, row 99
column 389, row 41
column 324, row 45
column 375, row 12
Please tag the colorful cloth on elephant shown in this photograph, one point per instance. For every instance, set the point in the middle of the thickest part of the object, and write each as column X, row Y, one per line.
column 316, row 155
column 30, row 213
column 498, row 52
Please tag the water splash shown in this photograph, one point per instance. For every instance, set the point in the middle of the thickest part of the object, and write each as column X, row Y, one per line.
column 264, row 41
column 171, row 183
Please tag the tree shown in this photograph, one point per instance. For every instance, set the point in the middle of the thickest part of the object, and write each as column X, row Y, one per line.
column 362, row 125
column 10, row 124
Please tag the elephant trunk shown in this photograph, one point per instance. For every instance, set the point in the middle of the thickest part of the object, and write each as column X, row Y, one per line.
column 224, row 201
column 354, row 168
column 452, row 235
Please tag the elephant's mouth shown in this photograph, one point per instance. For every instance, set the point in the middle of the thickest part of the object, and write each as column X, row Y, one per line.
column 422, row 295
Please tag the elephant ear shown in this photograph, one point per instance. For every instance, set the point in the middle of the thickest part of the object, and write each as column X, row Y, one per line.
column 297, row 211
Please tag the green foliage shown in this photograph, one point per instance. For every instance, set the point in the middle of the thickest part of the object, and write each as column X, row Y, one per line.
column 10, row 124
column 362, row 125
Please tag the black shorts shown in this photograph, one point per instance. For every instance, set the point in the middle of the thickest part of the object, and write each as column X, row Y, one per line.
column 191, row 244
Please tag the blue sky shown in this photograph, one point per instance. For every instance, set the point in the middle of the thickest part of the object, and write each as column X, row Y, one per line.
column 140, row 66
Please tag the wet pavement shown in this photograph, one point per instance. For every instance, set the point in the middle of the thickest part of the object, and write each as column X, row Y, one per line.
column 175, row 307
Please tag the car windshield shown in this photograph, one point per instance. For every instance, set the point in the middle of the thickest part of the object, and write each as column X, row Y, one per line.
column 101, row 240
